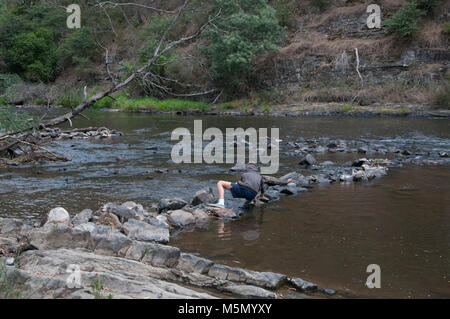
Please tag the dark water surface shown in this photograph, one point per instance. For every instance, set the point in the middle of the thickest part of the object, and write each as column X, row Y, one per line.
column 327, row 235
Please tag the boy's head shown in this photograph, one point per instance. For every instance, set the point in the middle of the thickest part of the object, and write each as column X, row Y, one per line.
column 252, row 166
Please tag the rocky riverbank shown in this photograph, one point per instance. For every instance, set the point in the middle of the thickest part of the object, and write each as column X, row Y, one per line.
column 120, row 252
column 309, row 109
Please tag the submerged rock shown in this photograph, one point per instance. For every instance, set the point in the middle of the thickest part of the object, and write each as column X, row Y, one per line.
column 222, row 212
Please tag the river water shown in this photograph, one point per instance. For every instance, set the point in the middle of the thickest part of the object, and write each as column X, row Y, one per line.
column 328, row 235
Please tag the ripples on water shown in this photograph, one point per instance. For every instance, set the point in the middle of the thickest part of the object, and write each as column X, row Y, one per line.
column 327, row 235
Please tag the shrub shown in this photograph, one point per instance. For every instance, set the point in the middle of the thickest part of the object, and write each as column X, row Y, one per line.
column 404, row 23
column 446, row 28
column 77, row 47
column 7, row 80
column 32, row 55
column 284, row 12
column 250, row 28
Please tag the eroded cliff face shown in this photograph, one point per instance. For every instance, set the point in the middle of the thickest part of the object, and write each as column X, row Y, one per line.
column 321, row 52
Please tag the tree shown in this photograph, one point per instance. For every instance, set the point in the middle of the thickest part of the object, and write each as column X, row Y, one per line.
column 249, row 28
column 32, row 56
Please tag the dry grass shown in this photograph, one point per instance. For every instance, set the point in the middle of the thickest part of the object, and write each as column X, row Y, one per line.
column 431, row 36
column 317, row 44
column 388, row 93
column 317, row 20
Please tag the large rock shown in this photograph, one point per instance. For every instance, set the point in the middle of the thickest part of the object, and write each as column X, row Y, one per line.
column 193, row 264
column 57, row 235
column 200, row 215
column 268, row 280
column 126, row 211
column 139, row 230
column 171, row 204
column 13, row 226
column 82, row 217
column 161, row 256
column 109, row 219
column 44, row 274
column 203, row 196
column 58, row 215
column 302, row 285
column 271, row 181
column 180, row 218
column 308, row 160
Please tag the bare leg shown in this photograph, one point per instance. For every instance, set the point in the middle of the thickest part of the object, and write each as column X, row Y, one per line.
column 221, row 185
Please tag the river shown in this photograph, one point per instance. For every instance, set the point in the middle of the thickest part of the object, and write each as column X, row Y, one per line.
column 328, row 235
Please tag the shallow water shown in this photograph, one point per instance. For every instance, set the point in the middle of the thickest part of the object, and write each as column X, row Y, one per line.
column 327, row 235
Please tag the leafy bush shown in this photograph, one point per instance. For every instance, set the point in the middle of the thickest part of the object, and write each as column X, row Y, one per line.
column 11, row 120
column 32, row 55
column 446, row 28
column 404, row 23
column 284, row 12
column 79, row 46
column 6, row 80
column 249, row 28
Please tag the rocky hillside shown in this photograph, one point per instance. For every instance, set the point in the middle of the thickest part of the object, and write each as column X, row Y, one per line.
column 284, row 52
column 318, row 62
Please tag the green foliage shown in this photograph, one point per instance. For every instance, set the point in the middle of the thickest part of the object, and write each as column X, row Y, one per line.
column 427, row 5
column 249, row 28
column 12, row 120
column 284, row 11
column 404, row 23
column 6, row 80
column 70, row 99
column 446, row 28
column 32, row 55
column 79, row 47
column 3, row 101
column 122, row 101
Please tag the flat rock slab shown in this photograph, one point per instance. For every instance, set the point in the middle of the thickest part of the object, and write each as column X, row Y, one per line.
column 222, row 212
column 302, row 285
column 193, row 264
column 268, row 280
column 249, row 291
column 45, row 275
column 140, row 230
